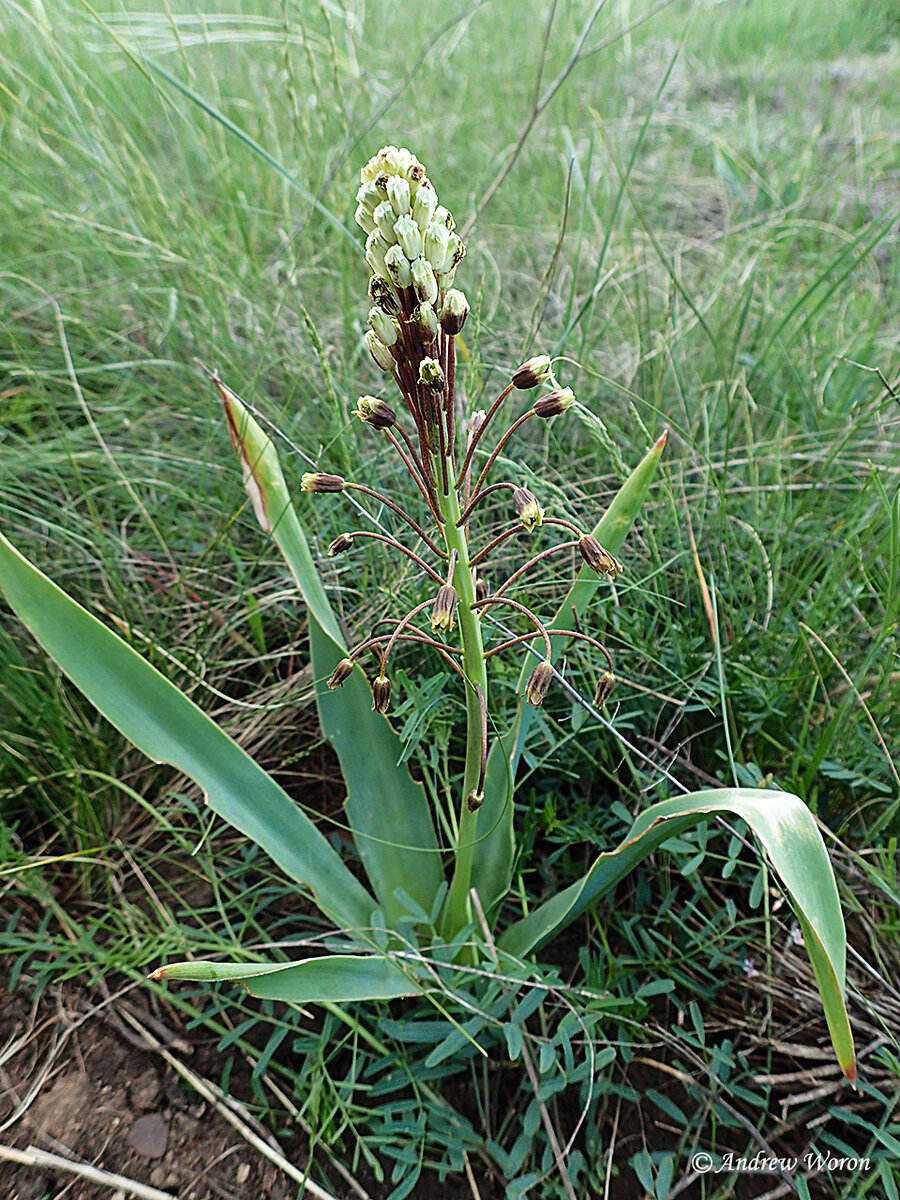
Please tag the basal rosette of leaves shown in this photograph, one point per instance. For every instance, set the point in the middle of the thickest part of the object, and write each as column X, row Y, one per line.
column 428, row 903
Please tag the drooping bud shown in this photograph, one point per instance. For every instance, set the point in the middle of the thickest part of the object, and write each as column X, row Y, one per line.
column 397, row 266
column 474, row 801
column 379, row 351
column 597, row 558
column 529, row 511
column 341, row 544
column 341, row 673
column 424, row 281
column 605, row 686
column 381, row 694
column 554, row 403
column 424, row 206
column 537, row 685
column 431, row 375
column 444, row 608
column 382, row 294
column 386, row 327
column 317, row 481
column 482, row 591
column 375, row 412
column 454, row 312
column 424, row 321
column 398, row 194
column 532, row 372
column 409, row 236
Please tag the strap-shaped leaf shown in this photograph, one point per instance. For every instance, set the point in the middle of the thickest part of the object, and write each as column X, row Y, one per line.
column 387, row 810
column 334, row 979
column 791, row 839
column 169, row 728
column 493, row 855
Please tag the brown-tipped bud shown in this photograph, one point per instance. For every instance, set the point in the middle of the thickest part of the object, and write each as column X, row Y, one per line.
column 382, row 294
column 375, row 412
column 530, row 512
column 381, row 694
column 454, row 312
column 340, row 545
column 315, row 481
column 431, row 375
column 482, row 591
column 597, row 558
column 341, row 673
column 532, row 372
column 474, row 801
column 554, row 403
column 424, row 321
column 444, row 608
column 604, row 687
column 537, row 685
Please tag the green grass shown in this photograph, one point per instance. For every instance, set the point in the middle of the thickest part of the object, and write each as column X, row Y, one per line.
column 177, row 184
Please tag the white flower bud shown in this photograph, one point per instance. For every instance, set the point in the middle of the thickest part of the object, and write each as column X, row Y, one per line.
column 368, row 194
column 409, row 235
column 379, row 351
column 457, row 252
column 454, row 312
column 443, row 217
column 424, row 206
column 398, row 194
column 384, row 326
column 397, row 267
column 383, row 220
column 431, row 375
column 437, row 244
column 364, row 219
column 424, row 281
column 376, row 246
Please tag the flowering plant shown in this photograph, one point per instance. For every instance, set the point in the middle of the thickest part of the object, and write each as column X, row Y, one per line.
column 428, row 903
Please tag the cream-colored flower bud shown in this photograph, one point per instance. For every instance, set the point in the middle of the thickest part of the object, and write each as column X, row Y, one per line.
column 529, row 510
column 444, row 608
column 554, row 403
column 443, row 217
column 424, row 205
column 409, row 236
column 454, row 312
column 416, row 176
column 379, row 351
column 456, row 252
column 424, row 321
column 398, row 194
column 384, row 218
column 386, row 328
column 431, row 375
column 364, row 218
column 397, row 266
column 375, row 412
column 376, row 247
column 437, row 246
column 368, row 194
column 424, row 281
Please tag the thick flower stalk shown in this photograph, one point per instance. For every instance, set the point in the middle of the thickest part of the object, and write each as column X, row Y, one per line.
column 416, row 313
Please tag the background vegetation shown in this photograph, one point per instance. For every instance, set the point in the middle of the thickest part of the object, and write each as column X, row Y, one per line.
column 696, row 205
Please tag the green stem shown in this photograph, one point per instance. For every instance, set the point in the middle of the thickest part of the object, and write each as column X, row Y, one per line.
column 457, row 908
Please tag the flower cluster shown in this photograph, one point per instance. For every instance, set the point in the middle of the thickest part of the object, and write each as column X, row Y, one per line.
column 413, row 252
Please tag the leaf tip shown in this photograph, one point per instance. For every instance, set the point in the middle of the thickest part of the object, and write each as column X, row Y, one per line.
column 660, row 442
column 158, row 974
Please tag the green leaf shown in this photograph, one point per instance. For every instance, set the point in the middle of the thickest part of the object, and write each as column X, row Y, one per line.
column 334, row 979
column 387, row 810
column 791, row 839
column 494, row 850
column 169, row 728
